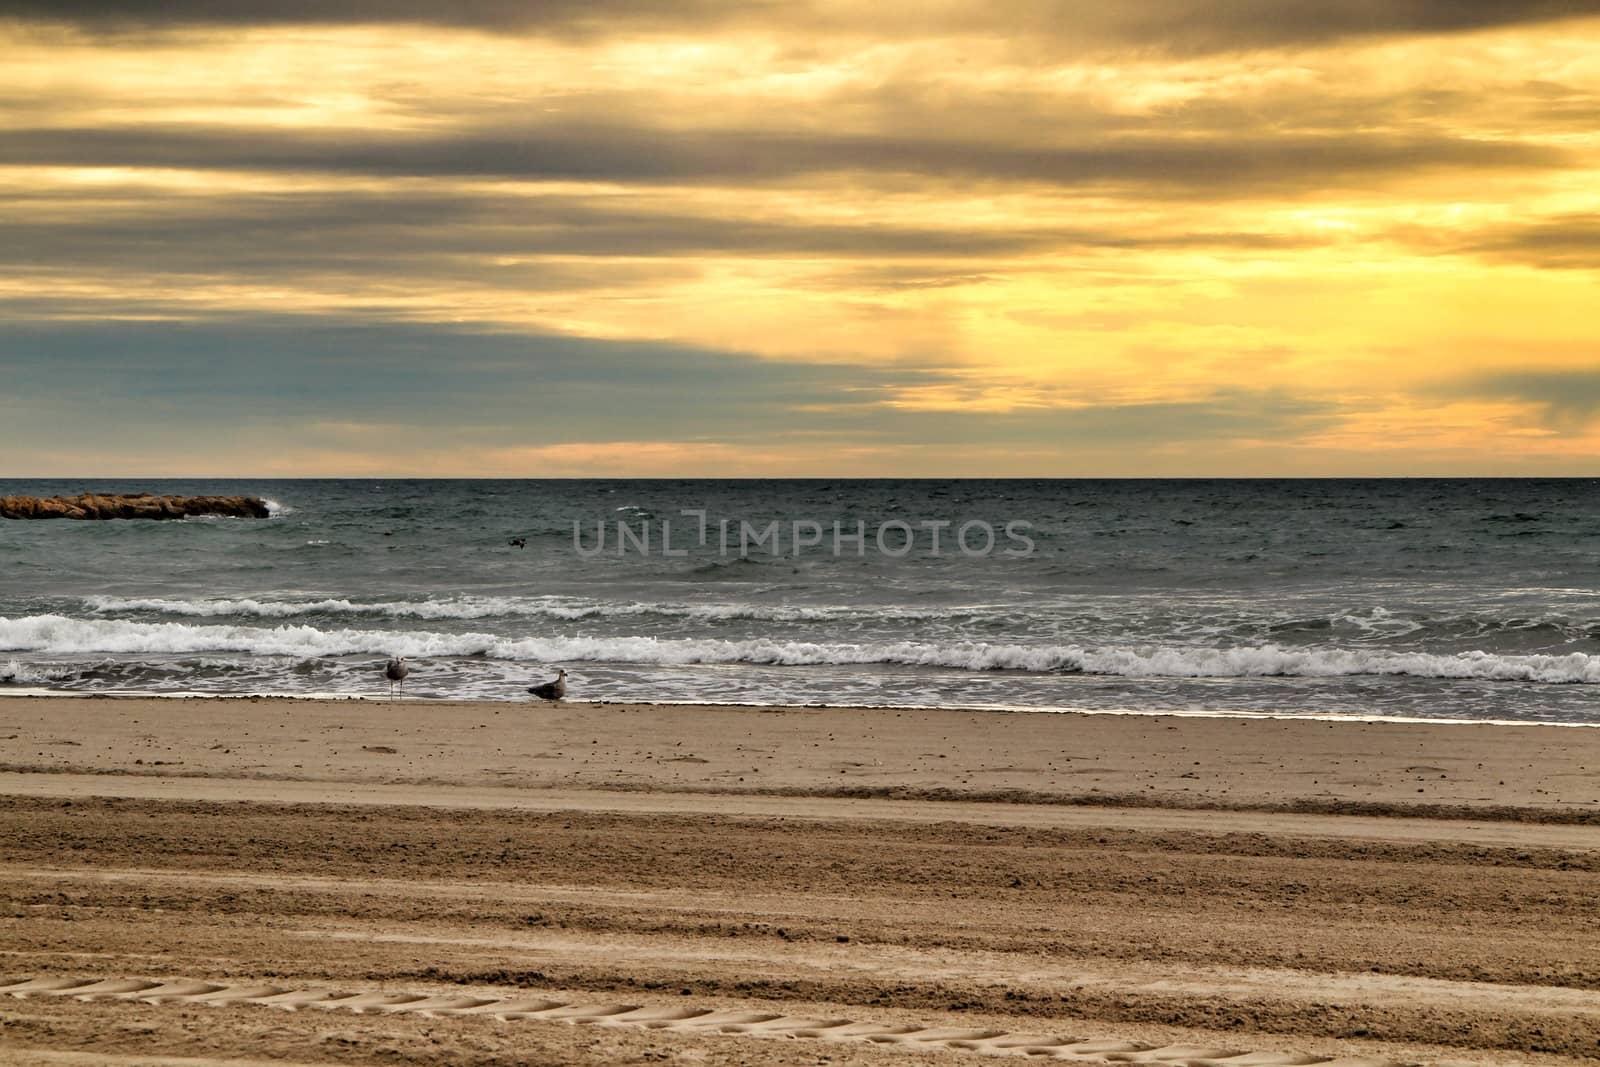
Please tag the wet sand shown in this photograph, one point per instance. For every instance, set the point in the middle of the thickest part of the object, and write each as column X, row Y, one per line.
column 461, row 883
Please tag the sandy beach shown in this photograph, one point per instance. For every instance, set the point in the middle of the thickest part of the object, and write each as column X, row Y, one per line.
column 427, row 882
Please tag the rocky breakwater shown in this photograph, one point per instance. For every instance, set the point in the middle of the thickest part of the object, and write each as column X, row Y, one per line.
column 130, row 506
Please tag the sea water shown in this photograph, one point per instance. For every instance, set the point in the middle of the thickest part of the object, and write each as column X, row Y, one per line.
column 1432, row 599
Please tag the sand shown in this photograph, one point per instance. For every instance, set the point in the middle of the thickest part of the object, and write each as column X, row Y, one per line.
column 254, row 880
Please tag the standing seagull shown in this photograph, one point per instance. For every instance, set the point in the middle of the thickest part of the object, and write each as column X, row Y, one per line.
column 396, row 670
column 551, row 690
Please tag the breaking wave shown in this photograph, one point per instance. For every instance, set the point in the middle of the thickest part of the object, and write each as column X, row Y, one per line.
column 1200, row 624
column 57, row 634
column 15, row 672
column 472, row 607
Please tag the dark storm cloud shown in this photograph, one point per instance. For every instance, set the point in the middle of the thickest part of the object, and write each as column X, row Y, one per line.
column 1569, row 399
column 1174, row 25
column 1210, row 166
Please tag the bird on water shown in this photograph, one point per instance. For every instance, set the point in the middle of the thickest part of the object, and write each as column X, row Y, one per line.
column 551, row 690
column 396, row 670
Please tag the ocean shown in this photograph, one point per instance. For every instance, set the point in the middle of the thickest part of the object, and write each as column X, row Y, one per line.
column 1448, row 599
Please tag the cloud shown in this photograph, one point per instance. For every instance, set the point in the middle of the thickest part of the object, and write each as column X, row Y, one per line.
column 432, row 375
column 562, row 16
column 1569, row 241
column 1224, row 414
column 527, row 242
column 1568, row 400
column 1170, row 25
column 361, row 395
column 1177, row 164
column 1198, row 26
column 940, row 232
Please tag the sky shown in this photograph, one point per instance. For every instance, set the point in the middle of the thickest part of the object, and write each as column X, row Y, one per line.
column 700, row 238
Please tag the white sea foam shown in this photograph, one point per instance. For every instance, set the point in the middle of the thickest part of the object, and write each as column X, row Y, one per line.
column 473, row 607
column 1206, row 625
column 15, row 672
column 61, row 635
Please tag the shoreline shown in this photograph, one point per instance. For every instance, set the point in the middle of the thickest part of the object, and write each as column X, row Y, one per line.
column 1003, row 709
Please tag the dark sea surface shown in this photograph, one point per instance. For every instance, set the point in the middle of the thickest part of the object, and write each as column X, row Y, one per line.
column 1432, row 599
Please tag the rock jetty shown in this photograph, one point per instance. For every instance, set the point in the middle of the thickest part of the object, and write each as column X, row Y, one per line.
column 130, row 506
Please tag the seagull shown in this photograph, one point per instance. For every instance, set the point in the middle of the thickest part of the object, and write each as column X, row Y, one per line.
column 551, row 690
column 396, row 670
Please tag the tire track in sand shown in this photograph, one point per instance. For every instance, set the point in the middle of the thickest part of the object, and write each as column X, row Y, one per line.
column 676, row 1017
